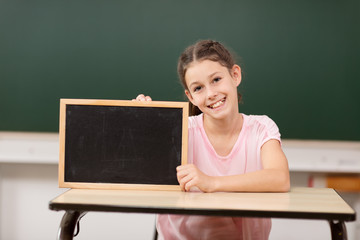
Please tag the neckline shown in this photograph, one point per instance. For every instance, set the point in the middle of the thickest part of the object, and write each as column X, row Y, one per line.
column 235, row 144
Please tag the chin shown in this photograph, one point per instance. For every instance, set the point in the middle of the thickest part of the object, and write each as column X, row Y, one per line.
column 217, row 115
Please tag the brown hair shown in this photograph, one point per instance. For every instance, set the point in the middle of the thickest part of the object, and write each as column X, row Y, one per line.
column 203, row 50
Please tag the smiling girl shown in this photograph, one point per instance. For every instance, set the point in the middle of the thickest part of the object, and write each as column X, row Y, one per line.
column 228, row 151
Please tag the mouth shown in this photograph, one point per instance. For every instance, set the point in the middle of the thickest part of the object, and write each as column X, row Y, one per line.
column 217, row 104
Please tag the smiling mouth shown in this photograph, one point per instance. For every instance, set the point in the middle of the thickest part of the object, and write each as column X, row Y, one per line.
column 217, row 104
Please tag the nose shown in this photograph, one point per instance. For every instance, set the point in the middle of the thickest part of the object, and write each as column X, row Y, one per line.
column 211, row 93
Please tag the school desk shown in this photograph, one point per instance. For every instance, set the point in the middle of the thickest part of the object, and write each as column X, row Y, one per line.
column 301, row 203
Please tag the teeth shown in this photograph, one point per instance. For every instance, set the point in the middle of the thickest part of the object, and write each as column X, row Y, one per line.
column 217, row 104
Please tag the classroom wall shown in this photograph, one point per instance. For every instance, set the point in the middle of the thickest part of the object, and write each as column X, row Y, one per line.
column 300, row 58
column 26, row 190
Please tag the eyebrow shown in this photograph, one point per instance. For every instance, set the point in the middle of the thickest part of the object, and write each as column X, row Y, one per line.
column 214, row 73
column 193, row 83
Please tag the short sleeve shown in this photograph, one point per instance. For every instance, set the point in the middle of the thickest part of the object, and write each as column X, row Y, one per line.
column 271, row 130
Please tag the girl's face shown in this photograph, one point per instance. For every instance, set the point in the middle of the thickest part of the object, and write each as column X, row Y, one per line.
column 212, row 88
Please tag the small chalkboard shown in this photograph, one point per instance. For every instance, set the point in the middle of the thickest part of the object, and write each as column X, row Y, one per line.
column 115, row 144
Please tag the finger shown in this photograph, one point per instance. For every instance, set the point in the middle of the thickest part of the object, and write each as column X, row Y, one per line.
column 189, row 185
column 148, row 98
column 182, row 185
column 183, row 179
column 140, row 97
column 185, row 167
column 183, row 171
column 188, row 181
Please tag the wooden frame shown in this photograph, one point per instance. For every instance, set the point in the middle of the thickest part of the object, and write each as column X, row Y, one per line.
column 158, row 104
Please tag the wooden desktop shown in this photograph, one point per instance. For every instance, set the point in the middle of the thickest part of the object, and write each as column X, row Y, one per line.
column 299, row 203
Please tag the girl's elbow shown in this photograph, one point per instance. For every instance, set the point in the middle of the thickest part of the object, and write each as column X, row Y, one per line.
column 285, row 185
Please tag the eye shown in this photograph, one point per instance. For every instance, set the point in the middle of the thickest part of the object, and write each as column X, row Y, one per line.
column 196, row 89
column 217, row 79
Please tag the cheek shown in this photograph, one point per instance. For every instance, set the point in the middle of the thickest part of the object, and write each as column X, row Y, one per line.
column 231, row 88
column 198, row 99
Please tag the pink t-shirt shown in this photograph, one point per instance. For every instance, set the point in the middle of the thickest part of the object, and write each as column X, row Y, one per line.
column 244, row 157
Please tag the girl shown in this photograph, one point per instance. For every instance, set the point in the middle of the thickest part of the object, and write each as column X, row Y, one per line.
column 228, row 150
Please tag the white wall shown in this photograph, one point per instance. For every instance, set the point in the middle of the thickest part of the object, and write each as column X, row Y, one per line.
column 28, row 181
column 26, row 190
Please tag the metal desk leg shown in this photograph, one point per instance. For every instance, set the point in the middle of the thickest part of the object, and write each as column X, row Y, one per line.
column 338, row 230
column 68, row 224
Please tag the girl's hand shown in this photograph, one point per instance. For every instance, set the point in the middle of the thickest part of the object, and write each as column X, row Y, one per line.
column 190, row 176
column 142, row 97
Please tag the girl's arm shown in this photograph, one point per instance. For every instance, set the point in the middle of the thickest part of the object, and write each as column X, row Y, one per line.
column 274, row 177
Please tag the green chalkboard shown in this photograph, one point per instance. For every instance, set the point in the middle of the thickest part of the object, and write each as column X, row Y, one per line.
column 301, row 58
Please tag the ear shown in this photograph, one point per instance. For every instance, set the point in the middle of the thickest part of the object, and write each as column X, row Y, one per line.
column 191, row 99
column 236, row 74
